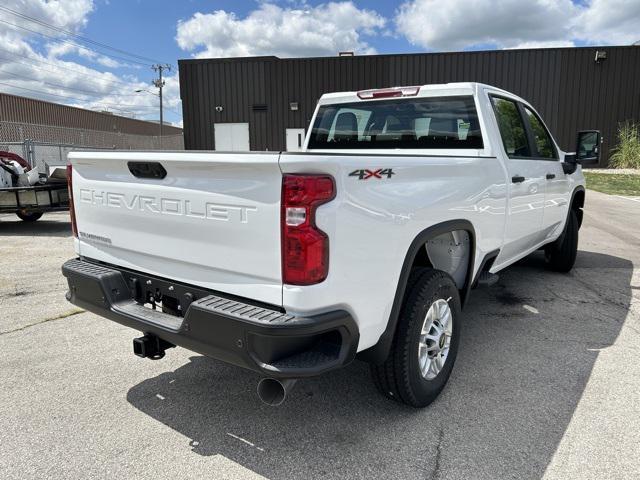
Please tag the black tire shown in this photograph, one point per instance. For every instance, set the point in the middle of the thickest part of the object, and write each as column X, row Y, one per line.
column 399, row 377
column 561, row 254
column 29, row 216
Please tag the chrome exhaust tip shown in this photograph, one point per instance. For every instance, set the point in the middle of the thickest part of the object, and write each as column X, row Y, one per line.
column 273, row 392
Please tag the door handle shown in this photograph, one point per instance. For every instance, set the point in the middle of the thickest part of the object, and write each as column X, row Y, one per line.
column 147, row 170
column 551, row 176
column 517, row 179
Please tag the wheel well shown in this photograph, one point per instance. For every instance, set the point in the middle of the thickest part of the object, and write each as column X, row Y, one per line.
column 577, row 204
column 430, row 248
column 422, row 259
column 449, row 252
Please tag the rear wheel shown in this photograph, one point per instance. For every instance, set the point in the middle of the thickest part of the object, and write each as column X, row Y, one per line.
column 426, row 342
column 561, row 254
column 29, row 216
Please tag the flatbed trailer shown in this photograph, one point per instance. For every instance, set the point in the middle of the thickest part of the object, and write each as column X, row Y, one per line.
column 30, row 203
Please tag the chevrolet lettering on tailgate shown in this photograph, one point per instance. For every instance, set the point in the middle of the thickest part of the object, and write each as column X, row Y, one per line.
column 167, row 206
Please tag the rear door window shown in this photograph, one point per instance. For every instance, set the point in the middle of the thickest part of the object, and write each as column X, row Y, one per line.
column 438, row 122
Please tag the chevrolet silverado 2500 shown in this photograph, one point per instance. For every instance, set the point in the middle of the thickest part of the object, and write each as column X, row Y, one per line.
column 366, row 244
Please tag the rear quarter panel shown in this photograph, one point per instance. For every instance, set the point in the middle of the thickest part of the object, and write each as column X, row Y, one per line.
column 371, row 224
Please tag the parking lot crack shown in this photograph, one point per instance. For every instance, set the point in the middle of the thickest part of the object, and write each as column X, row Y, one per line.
column 61, row 316
column 606, row 298
column 602, row 300
column 16, row 293
column 435, row 473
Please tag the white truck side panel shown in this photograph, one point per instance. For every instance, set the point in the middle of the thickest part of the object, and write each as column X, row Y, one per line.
column 371, row 224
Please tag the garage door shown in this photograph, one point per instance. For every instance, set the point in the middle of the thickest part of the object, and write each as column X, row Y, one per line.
column 231, row 137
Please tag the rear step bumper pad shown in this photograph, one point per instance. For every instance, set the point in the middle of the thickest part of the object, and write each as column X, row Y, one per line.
column 253, row 336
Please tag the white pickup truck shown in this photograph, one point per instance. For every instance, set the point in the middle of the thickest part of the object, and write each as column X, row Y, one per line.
column 365, row 245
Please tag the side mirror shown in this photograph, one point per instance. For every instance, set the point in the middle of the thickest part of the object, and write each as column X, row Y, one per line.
column 588, row 148
column 570, row 164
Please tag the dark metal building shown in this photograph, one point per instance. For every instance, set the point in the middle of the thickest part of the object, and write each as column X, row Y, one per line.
column 573, row 89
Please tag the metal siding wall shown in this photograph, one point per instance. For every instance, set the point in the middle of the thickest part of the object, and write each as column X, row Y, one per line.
column 570, row 90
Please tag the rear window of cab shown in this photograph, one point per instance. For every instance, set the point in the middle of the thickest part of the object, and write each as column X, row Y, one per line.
column 427, row 122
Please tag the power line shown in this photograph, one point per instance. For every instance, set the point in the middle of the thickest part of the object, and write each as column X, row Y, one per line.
column 75, row 44
column 38, row 91
column 37, row 63
column 87, row 92
column 114, row 106
column 75, row 35
column 79, row 99
column 70, row 89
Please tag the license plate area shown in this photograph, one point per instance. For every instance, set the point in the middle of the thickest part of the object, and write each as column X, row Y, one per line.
column 173, row 298
column 162, row 295
column 164, row 303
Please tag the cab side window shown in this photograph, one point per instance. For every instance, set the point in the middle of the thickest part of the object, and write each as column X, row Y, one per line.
column 512, row 128
column 543, row 143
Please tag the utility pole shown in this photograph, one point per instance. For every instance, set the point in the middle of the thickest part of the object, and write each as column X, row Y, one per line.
column 159, row 83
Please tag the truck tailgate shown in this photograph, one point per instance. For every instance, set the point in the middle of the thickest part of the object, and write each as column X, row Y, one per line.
column 212, row 221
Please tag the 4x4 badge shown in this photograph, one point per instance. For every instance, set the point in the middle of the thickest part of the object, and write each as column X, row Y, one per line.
column 366, row 174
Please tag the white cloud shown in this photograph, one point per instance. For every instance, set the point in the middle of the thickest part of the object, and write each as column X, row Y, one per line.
column 287, row 32
column 57, row 50
column 68, row 15
column 464, row 23
column 517, row 24
column 612, row 22
column 543, row 44
column 28, row 69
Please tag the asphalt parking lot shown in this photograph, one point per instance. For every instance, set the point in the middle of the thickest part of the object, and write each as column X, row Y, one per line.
column 546, row 385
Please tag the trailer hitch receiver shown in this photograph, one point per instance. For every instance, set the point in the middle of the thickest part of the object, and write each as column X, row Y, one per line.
column 150, row 346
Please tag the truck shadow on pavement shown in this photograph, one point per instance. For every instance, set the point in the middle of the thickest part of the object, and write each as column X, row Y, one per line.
column 48, row 226
column 527, row 352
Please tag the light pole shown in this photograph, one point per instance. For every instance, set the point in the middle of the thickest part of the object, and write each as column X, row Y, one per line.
column 141, row 90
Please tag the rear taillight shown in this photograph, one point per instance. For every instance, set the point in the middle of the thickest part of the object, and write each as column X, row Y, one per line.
column 305, row 248
column 72, row 212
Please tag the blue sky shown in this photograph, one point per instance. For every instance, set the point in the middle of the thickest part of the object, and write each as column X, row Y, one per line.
column 151, row 25
column 38, row 61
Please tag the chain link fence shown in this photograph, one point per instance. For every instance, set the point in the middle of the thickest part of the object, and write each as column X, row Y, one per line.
column 43, row 155
column 19, row 132
column 45, row 146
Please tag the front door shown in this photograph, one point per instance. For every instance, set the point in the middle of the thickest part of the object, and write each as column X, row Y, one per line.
column 557, row 195
column 526, row 182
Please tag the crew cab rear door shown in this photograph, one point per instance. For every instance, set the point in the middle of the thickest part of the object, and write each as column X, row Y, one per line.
column 201, row 218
